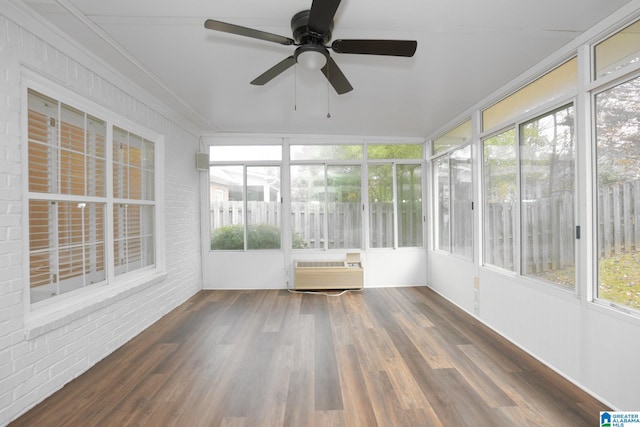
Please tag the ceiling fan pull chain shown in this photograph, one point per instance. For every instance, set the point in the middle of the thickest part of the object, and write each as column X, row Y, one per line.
column 295, row 88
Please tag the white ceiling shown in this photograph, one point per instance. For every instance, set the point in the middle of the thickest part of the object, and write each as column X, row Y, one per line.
column 467, row 49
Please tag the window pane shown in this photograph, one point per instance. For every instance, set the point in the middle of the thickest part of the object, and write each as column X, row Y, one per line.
column 381, row 218
column 66, row 247
column 308, row 206
column 561, row 81
column 547, row 176
column 409, row 191
column 72, row 167
column 443, row 214
column 120, row 163
column 263, row 207
column 462, row 196
column 96, row 136
column 147, row 237
column 227, row 211
column 500, row 174
column 344, row 207
column 453, row 138
column 326, row 152
column 43, row 141
column 618, row 51
column 394, row 151
column 618, row 162
column 244, row 153
column 133, row 237
column 42, row 251
column 75, row 165
column 135, row 167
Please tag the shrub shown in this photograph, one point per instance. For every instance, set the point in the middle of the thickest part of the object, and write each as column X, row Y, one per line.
column 229, row 237
column 259, row 236
column 263, row 236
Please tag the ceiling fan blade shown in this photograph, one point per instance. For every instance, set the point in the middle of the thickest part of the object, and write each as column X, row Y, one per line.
column 333, row 73
column 321, row 15
column 247, row 32
column 376, row 47
column 274, row 71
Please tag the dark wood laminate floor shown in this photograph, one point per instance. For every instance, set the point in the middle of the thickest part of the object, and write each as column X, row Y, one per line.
column 386, row 357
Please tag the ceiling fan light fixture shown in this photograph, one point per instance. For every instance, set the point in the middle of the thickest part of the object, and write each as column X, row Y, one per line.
column 312, row 57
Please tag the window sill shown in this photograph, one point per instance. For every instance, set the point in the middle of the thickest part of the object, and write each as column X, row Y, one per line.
column 615, row 311
column 55, row 316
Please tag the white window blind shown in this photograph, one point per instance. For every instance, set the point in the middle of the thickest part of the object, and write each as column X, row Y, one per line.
column 68, row 200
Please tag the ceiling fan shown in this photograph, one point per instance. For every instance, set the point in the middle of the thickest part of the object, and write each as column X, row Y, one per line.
column 311, row 32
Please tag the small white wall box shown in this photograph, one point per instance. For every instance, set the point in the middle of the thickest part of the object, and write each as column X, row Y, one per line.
column 344, row 274
column 202, row 161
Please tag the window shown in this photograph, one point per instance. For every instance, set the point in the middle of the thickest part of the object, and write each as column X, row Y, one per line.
column 344, row 206
column 326, row 206
column 245, row 207
column 381, row 207
column 544, row 167
column 326, row 209
column 453, row 210
column 617, row 112
column 395, row 195
column 547, row 176
column 409, row 191
column 461, row 202
column 618, row 51
column 500, row 170
column 326, row 199
column 460, row 135
column 246, row 153
column 133, row 210
column 326, row 152
column 69, row 203
column 557, row 83
column 442, row 191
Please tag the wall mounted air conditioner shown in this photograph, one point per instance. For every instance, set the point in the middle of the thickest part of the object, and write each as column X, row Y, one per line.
column 317, row 275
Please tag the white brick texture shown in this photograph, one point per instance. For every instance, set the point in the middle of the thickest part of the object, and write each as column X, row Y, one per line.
column 36, row 363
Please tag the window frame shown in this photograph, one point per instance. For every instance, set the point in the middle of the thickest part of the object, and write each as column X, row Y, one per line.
column 326, row 236
column 285, row 163
column 447, row 154
column 394, row 163
column 112, row 283
column 598, row 87
column 326, row 164
column 516, row 124
column 239, row 141
column 521, row 217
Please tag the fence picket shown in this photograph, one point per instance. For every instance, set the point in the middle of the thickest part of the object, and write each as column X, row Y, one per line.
column 549, row 242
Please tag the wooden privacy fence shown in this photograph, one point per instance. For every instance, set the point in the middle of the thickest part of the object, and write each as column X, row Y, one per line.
column 619, row 218
column 548, row 238
column 549, row 234
column 344, row 221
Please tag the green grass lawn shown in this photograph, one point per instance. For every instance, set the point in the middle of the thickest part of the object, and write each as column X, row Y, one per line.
column 620, row 279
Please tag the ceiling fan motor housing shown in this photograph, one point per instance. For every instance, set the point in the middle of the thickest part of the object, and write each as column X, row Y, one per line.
column 302, row 34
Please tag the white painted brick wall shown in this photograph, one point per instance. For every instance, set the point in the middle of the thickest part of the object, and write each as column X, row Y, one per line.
column 31, row 368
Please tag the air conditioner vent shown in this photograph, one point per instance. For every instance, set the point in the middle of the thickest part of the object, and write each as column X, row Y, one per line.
column 332, row 274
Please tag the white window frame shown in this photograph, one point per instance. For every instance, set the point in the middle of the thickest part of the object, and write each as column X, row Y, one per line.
column 516, row 124
column 50, row 308
column 598, row 87
column 446, row 154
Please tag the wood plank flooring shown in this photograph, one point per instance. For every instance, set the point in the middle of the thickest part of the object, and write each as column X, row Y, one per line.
column 385, row 357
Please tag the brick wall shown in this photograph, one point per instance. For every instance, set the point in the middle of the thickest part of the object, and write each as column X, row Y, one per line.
column 35, row 363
